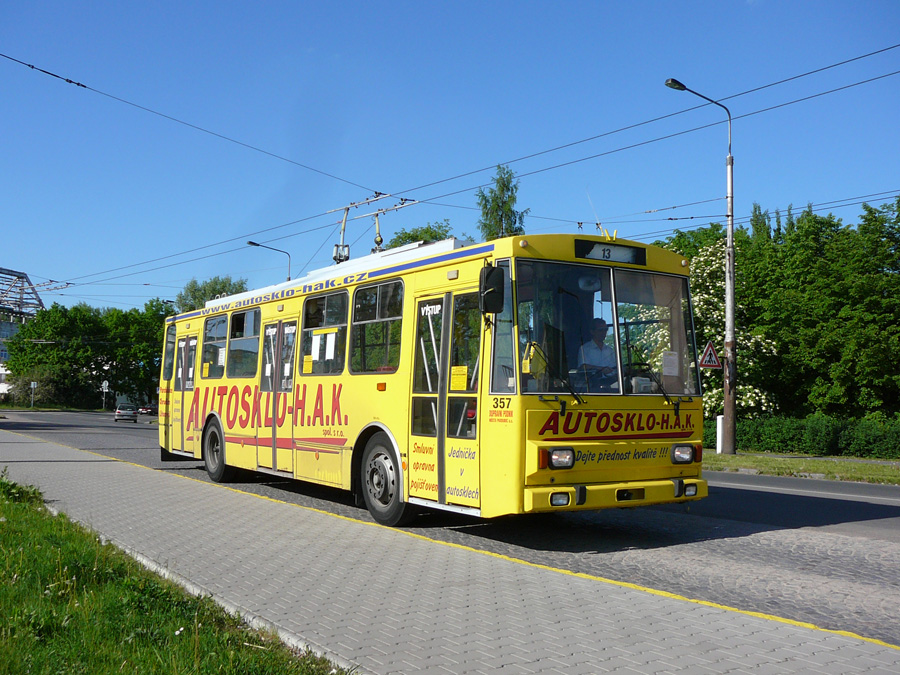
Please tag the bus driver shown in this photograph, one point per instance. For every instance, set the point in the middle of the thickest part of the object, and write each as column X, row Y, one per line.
column 595, row 358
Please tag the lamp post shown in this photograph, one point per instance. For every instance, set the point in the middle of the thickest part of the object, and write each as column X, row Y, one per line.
column 253, row 243
column 728, row 432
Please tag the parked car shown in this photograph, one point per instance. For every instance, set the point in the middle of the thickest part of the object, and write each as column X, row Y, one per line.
column 149, row 409
column 126, row 411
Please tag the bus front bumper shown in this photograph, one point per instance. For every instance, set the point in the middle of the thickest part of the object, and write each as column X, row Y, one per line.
column 613, row 495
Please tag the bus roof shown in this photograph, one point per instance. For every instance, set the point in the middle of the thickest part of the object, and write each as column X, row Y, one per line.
column 401, row 254
column 417, row 254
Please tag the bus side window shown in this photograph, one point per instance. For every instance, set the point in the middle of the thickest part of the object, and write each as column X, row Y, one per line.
column 178, row 385
column 375, row 331
column 189, row 360
column 215, row 335
column 169, row 356
column 465, row 360
column 324, row 341
column 243, row 345
column 503, row 372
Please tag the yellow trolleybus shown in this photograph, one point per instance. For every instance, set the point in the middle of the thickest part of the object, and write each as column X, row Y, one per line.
column 527, row 374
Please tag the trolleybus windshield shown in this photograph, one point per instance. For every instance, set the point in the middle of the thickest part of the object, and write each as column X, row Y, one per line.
column 648, row 347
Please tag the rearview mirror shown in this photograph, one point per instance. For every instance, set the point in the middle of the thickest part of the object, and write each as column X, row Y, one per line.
column 490, row 290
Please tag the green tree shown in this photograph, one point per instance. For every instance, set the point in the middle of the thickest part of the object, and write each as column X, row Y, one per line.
column 132, row 351
column 689, row 242
column 430, row 232
column 70, row 351
column 499, row 217
column 56, row 385
column 872, row 349
column 57, row 350
column 837, row 311
column 196, row 294
column 803, row 308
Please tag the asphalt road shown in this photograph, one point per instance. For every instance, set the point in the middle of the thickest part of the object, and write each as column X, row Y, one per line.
column 822, row 552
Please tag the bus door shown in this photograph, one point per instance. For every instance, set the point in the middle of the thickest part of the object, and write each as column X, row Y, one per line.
column 275, row 442
column 166, row 389
column 182, row 429
column 444, row 455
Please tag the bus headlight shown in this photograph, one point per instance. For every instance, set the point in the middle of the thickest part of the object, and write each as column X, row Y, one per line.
column 682, row 454
column 562, row 458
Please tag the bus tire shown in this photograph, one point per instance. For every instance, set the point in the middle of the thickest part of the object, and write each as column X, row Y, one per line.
column 214, row 454
column 380, row 483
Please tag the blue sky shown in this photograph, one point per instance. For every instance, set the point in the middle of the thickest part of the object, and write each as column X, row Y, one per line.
column 394, row 96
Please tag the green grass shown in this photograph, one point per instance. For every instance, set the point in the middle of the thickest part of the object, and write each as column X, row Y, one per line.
column 859, row 470
column 71, row 604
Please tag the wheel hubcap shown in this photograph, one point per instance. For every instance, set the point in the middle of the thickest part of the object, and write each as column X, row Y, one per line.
column 380, row 478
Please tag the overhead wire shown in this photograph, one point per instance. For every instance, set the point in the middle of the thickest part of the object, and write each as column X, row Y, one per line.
column 815, row 208
column 522, row 175
column 617, row 220
column 184, row 262
column 665, row 137
column 646, row 236
column 576, row 161
column 207, row 246
column 468, row 189
column 651, row 121
column 468, row 173
column 187, row 124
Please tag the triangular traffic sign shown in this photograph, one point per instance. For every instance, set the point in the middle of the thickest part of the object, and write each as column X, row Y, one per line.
column 710, row 359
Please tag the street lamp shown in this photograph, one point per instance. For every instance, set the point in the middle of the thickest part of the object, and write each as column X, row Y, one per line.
column 253, row 243
column 728, row 432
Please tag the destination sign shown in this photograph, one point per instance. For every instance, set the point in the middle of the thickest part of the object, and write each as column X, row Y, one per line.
column 609, row 252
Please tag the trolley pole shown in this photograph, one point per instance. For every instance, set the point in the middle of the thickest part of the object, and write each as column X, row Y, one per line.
column 730, row 364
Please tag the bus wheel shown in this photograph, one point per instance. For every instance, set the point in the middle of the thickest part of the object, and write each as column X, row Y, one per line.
column 214, row 454
column 380, row 483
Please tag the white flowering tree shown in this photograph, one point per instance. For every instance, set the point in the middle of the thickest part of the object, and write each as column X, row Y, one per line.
column 754, row 353
column 817, row 311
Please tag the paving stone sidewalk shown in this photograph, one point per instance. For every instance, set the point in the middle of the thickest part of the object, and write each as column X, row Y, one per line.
column 384, row 601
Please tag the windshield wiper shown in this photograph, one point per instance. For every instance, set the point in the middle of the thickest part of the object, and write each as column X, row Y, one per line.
column 553, row 370
column 645, row 366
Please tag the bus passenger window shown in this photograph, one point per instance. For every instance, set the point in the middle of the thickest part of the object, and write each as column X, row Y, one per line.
column 178, row 384
column 270, row 342
column 189, row 359
column 324, row 341
column 424, row 416
column 375, row 331
column 465, row 358
column 243, row 345
column 462, row 417
column 288, row 340
column 465, row 345
column 215, row 336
